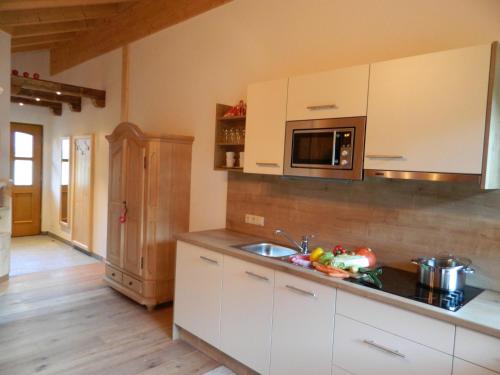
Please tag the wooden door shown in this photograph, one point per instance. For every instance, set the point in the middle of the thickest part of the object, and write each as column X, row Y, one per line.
column 265, row 127
column 246, row 313
column 115, row 202
column 134, row 202
column 26, row 172
column 198, row 291
column 81, row 227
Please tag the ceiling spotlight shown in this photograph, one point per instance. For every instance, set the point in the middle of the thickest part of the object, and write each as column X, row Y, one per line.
column 37, row 99
column 21, row 104
column 58, row 92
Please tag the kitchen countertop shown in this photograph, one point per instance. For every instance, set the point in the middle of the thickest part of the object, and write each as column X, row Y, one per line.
column 482, row 314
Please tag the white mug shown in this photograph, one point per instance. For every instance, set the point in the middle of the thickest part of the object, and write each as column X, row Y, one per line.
column 242, row 159
column 230, row 159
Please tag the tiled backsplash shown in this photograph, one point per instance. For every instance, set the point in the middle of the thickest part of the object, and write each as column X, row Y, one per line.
column 399, row 220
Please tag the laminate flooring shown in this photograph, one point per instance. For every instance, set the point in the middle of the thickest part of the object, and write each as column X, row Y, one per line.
column 67, row 321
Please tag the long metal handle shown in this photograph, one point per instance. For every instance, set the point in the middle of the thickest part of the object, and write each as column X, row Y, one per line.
column 209, row 260
column 385, row 156
column 266, row 164
column 321, row 107
column 301, row 291
column 249, row 273
column 384, row 348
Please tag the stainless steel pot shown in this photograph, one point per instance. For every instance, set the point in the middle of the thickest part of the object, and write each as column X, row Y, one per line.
column 446, row 273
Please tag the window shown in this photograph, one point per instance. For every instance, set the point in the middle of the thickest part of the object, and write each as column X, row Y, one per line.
column 23, row 159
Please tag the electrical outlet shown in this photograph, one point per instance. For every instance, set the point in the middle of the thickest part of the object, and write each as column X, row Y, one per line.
column 254, row 220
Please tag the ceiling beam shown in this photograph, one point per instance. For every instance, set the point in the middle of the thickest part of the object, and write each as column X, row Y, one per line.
column 55, row 107
column 7, row 5
column 35, row 40
column 74, row 102
column 51, row 15
column 139, row 20
column 98, row 97
column 52, row 28
column 35, row 47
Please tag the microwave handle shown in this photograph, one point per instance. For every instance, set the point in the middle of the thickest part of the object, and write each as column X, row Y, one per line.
column 334, row 146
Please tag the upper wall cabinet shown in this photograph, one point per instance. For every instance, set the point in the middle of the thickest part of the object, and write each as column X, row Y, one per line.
column 265, row 127
column 428, row 113
column 336, row 93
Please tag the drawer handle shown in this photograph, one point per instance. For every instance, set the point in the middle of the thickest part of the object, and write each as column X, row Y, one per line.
column 301, row 291
column 209, row 260
column 384, row 348
column 385, row 156
column 256, row 276
column 265, row 164
column 321, row 107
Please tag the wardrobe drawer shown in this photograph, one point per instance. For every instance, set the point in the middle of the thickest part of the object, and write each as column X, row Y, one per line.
column 422, row 329
column 478, row 348
column 132, row 283
column 114, row 274
column 382, row 353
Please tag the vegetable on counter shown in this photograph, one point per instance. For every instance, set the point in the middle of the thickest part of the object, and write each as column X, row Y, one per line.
column 369, row 254
column 331, row 271
column 301, row 260
column 345, row 261
column 372, row 276
column 316, row 254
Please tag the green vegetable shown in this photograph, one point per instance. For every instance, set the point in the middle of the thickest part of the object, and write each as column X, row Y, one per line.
column 372, row 276
column 326, row 258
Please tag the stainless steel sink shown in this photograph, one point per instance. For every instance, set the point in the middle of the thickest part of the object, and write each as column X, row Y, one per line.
column 268, row 249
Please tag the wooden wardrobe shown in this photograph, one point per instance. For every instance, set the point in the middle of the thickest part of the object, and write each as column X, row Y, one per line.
column 148, row 203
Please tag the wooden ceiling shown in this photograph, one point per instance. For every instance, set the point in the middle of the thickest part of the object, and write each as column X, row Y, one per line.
column 78, row 30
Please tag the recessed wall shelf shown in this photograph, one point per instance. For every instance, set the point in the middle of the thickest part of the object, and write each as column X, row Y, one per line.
column 224, row 126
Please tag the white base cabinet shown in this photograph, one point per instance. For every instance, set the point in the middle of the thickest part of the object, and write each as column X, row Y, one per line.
column 461, row 367
column 365, row 350
column 303, row 320
column 247, row 309
column 198, row 291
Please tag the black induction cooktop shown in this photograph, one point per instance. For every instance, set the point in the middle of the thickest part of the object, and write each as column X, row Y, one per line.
column 405, row 284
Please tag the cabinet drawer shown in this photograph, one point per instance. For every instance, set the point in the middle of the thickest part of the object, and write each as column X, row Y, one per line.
column 336, row 93
column 424, row 330
column 461, row 367
column 132, row 283
column 478, row 348
column 365, row 350
column 114, row 274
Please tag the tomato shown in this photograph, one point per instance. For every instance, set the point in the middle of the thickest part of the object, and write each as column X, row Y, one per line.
column 369, row 254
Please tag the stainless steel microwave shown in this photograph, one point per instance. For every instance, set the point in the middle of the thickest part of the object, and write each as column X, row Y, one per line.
column 329, row 148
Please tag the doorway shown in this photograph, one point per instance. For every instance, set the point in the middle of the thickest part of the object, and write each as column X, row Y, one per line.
column 26, row 172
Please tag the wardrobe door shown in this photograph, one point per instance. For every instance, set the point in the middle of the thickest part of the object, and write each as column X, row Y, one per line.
column 115, row 201
column 135, row 152
column 81, row 231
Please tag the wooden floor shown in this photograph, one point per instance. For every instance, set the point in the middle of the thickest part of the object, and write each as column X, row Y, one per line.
column 68, row 322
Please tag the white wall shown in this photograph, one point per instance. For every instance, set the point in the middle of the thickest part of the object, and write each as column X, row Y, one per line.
column 178, row 74
column 5, row 220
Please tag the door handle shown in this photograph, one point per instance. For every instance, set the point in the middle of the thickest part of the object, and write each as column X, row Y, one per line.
column 384, row 348
column 301, row 291
column 321, row 107
column 123, row 215
column 249, row 273
column 209, row 260
column 266, row 164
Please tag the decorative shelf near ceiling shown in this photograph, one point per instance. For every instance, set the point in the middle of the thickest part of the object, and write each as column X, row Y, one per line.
column 50, row 94
column 236, row 124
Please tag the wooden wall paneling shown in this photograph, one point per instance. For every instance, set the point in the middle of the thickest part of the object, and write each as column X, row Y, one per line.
column 125, row 83
column 82, row 191
column 51, row 28
column 56, row 108
column 40, row 4
column 154, row 15
column 399, row 220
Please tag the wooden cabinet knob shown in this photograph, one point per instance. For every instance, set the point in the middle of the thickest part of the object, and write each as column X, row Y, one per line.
column 130, row 283
column 113, row 274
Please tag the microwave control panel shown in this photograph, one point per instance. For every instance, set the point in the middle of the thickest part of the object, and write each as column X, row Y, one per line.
column 344, row 140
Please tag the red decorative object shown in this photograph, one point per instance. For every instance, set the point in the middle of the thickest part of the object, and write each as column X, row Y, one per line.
column 15, row 72
column 26, row 75
column 239, row 109
column 36, row 76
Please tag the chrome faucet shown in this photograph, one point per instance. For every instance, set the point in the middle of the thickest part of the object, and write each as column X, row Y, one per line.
column 303, row 247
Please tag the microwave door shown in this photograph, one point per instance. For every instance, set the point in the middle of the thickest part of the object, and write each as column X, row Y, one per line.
column 313, row 148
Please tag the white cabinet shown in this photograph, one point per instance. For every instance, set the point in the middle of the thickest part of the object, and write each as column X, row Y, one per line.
column 265, row 127
column 247, row 308
column 336, row 93
column 427, row 113
column 198, row 291
column 477, row 348
column 364, row 350
column 461, row 367
column 302, row 335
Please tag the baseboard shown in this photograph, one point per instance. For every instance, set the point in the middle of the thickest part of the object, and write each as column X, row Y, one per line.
column 4, row 278
column 214, row 353
column 69, row 243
